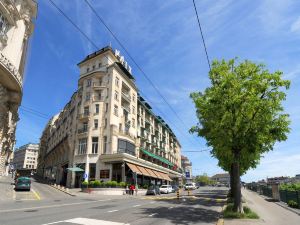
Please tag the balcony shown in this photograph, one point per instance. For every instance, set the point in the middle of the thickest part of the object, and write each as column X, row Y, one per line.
column 97, row 98
column 83, row 116
column 98, row 85
column 82, row 130
column 126, row 96
column 126, row 107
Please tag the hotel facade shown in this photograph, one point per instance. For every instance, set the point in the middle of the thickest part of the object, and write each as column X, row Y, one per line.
column 107, row 131
column 16, row 26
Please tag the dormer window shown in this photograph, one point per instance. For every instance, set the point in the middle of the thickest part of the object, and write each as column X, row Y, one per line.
column 87, row 69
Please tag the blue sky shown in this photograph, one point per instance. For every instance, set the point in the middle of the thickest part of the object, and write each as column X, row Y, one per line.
column 164, row 38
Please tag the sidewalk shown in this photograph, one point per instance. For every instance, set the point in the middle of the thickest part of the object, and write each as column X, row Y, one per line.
column 269, row 212
column 6, row 188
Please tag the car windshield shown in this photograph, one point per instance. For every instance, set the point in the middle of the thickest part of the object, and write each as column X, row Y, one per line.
column 164, row 186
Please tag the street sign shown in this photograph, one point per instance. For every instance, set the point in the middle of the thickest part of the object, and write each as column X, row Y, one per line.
column 187, row 174
column 85, row 175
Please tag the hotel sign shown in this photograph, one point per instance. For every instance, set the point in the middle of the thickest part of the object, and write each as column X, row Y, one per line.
column 122, row 60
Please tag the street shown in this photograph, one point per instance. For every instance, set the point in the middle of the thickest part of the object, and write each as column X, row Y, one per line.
column 203, row 206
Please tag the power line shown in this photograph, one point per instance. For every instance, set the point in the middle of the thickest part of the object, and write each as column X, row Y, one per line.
column 33, row 113
column 133, row 60
column 202, row 35
column 34, row 110
column 95, row 45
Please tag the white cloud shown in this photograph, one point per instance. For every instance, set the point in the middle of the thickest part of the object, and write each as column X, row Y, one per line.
column 295, row 27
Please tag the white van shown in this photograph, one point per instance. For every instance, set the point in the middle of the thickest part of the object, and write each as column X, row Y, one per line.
column 190, row 186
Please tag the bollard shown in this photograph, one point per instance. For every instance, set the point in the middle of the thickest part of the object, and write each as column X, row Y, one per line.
column 188, row 192
column 177, row 194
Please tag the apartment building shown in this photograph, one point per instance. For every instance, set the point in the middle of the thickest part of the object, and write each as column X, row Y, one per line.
column 16, row 26
column 187, row 168
column 25, row 157
column 108, row 131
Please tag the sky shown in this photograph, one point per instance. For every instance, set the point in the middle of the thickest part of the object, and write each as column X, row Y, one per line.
column 164, row 39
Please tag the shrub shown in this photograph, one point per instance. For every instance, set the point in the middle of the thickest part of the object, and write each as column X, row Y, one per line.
column 228, row 213
column 113, row 183
column 290, row 187
column 92, row 183
column 97, row 183
column 84, row 183
column 145, row 186
column 122, row 184
column 292, row 204
column 107, row 184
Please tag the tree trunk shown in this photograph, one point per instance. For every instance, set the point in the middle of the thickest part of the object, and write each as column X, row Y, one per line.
column 231, row 182
column 236, row 186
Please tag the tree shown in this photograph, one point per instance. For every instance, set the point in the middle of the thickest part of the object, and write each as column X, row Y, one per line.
column 241, row 116
column 203, row 179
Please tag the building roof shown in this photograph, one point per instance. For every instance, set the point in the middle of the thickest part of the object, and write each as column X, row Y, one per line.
column 94, row 54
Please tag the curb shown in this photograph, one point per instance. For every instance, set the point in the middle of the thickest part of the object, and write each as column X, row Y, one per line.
column 61, row 189
column 221, row 220
column 287, row 207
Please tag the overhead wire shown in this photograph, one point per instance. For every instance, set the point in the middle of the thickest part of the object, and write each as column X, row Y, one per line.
column 203, row 41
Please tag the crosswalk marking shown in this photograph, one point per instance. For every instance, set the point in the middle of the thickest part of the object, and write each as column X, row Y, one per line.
column 87, row 221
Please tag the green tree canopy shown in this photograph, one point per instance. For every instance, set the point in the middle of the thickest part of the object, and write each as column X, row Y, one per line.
column 241, row 115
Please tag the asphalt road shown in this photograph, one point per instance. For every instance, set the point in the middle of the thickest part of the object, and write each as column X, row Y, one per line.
column 55, row 207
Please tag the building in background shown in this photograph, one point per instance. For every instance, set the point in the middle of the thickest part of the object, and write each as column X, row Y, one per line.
column 16, row 26
column 108, row 130
column 278, row 180
column 25, row 157
column 222, row 178
column 186, row 165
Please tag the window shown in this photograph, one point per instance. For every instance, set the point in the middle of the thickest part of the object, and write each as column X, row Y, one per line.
column 97, row 108
column 86, row 111
column 133, row 97
column 106, row 107
column 82, row 146
column 88, row 82
column 87, row 69
column 104, row 144
column 85, row 127
column 95, row 123
column 94, row 145
column 105, row 123
column 104, row 174
column 116, row 95
column 117, row 82
column 94, row 67
column 133, row 122
column 87, row 96
column 3, row 25
column 99, row 65
column 126, row 147
column 116, row 110
column 133, row 110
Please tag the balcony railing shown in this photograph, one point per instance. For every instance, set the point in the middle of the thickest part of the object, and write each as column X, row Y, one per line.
column 83, row 115
column 82, row 130
column 98, row 84
column 97, row 98
column 126, row 96
column 127, row 108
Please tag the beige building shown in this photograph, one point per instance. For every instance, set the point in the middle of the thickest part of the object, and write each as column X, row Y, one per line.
column 16, row 26
column 108, row 130
column 25, row 157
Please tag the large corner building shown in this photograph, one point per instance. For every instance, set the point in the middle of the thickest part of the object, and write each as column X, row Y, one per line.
column 108, row 130
column 25, row 157
column 16, row 26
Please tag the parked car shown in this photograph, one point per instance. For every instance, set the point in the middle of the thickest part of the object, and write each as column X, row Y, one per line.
column 166, row 189
column 190, row 186
column 23, row 183
column 175, row 188
column 153, row 190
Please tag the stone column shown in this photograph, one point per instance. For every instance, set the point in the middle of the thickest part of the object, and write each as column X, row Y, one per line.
column 4, row 112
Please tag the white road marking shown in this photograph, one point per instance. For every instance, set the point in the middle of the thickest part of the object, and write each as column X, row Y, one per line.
column 152, row 202
column 53, row 206
column 87, row 221
column 171, row 207
column 136, row 206
column 113, row 210
column 152, row 214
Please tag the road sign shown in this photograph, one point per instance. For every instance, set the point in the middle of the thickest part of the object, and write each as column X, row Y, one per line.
column 85, row 175
column 187, row 174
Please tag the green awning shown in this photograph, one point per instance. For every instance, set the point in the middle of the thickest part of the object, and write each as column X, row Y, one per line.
column 157, row 157
column 75, row 169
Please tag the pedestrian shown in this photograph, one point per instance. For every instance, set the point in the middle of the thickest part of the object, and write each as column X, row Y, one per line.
column 131, row 189
column 127, row 190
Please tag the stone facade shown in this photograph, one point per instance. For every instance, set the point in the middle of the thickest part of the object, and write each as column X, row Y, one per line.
column 25, row 157
column 16, row 26
column 108, row 130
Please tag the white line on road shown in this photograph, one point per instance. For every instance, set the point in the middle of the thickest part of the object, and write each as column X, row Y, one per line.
column 171, row 207
column 53, row 206
column 136, row 206
column 152, row 202
column 113, row 211
column 54, row 222
column 152, row 214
